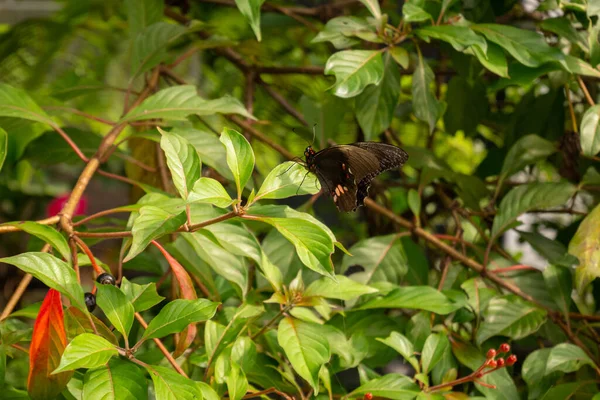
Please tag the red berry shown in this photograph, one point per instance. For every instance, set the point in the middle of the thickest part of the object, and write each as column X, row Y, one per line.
column 368, row 396
column 492, row 364
column 491, row 354
column 500, row 362
column 511, row 359
column 479, row 375
column 504, row 348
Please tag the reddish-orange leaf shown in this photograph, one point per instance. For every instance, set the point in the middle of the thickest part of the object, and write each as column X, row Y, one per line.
column 187, row 291
column 47, row 345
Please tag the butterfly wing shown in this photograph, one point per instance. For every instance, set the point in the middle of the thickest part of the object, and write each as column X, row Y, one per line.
column 334, row 173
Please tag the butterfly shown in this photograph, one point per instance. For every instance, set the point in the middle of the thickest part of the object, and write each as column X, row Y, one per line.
column 346, row 171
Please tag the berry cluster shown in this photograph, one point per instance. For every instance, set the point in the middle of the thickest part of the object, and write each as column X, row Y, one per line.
column 492, row 363
column 90, row 298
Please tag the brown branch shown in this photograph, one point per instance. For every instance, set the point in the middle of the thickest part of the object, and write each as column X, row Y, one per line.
column 119, row 178
column 571, row 110
column 307, row 70
column 15, row 228
column 70, row 142
column 100, row 214
column 588, row 97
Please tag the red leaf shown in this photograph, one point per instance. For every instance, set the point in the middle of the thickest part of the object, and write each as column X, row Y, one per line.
column 47, row 346
column 187, row 291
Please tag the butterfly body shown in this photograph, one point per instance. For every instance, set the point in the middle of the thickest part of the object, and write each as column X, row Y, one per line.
column 346, row 171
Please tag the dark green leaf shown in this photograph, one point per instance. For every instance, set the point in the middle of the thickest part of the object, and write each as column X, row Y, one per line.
column 551, row 250
column 142, row 13
column 354, row 70
column 563, row 27
column 527, row 150
column 468, row 105
column 416, row 298
column 560, row 285
column 425, row 106
column 178, row 314
column 86, row 351
column 251, row 10
column 149, row 46
column 3, row 146
column 17, row 103
column 460, row 37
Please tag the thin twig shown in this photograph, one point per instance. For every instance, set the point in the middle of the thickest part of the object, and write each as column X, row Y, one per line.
column 15, row 228
column 588, row 97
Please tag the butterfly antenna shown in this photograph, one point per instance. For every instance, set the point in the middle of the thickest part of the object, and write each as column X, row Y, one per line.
column 294, row 162
column 314, row 134
column 302, row 182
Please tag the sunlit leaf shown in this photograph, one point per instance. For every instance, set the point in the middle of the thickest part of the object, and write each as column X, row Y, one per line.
column 240, row 157
column 86, row 351
column 354, row 70
column 343, row 288
column 583, row 245
column 178, row 314
column 182, row 160
column 118, row 379
column 251, row 10
column 590, row 131
column 390, row 386
column 48, row 234
column 169, row 385
column 142, row 297
column 208, row 190
column 414, row 297
column 117, row 308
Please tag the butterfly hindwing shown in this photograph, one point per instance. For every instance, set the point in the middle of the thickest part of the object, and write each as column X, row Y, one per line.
column 337, row 179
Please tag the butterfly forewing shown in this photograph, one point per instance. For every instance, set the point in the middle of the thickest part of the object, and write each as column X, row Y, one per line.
column 346, row 171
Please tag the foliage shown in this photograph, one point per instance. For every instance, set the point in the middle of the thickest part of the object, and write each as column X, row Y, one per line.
column 235, row 277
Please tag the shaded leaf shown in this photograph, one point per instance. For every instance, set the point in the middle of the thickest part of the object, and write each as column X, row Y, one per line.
column 567, row 357
column 433, row 350
column 17, row 103
column 46, row 233
column 142, row 13
column 3, row 146
column 527, row 150
column 560, row 284
column 86, row 351
column 354, row 70
column 286, row 180
column 149, row 46
column 460, row 37
column 342, row 288
column 78, row 322
column 425, row 106
column 340, row 31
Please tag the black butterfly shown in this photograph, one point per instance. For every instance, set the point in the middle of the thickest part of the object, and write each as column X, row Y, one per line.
column 346, row 171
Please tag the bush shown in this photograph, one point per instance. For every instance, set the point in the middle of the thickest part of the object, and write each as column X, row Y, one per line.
column 470, row 272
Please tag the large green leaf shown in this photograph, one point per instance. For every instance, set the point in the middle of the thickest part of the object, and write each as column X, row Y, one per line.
column 559, row 281
column 17, row 103
column 552, row 250
column 590, row 131
column 118, row 379
column 3, row 146
column 240, row 157
column 177, row 102
column 390, row 386
column 169, row 385
column 152, row 223
column 527, row 150
column 52, row 272
column 376, row 104
column 142, row 297
column 286, row 180
column 415, row 13
column 425, row 106
column 433, row 350
column 460, row 37
column 567, row 357
column 305, row 347
column 510, row 316
column 86, row 351
column 150, row 46
column 47, row 234
column 312, row 240
column 142, row 13
column 531, row 196
column 182, row 160
column 117, row 308
column 342, row 288
column 403, row 346
column 534, row 373
column 178, row 314
column 383, row 258
column 354, row 70
column 583, row 245
column 416, row 298
column 251, row 10
column 494, row 60
column 528, row 47
column 208, row 190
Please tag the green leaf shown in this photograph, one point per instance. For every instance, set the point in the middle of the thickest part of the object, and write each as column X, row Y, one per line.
column 169, row 385
column 416, row 298
column 312, row 240
column 563, row 27
column 413, row 13
column 240, row 157
column 494, row 60
column 403, row 346
column 383, row 258
column 286, row 180
column 390, row 386
column 86, row 351
column 593, row 8
column 52, row 272
column 510, row 316
column 3, row 146
column 567, row 357
column 577, row 66
column 237, row 384
column 223, row 262
column 414, row 202
column 534, row 373
column 354, row 70
column 17, row 103
column 373, row 7
column 149, row 46
column 551, row 250
column 531, row 196
column 305, row 347
column 460, row 37
column 116, row 306
column 47, row 234
column 400, row 55
column 118, row 379
column 178, row 314
column 177, row 102
column 433, row 351
column 340, row 31
column 208, row 190
column 425, row 106
column 528, row 47
column 376, row 104
column 251, row 10
column 560, row 285
column 211, row 150
column 142, row 13
column 182, row 160
column 594, row 44
column 527, row 150
column 344, row 289
column 152, row 223
column 142, row 297
column 590, row 131
column 583, row 245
